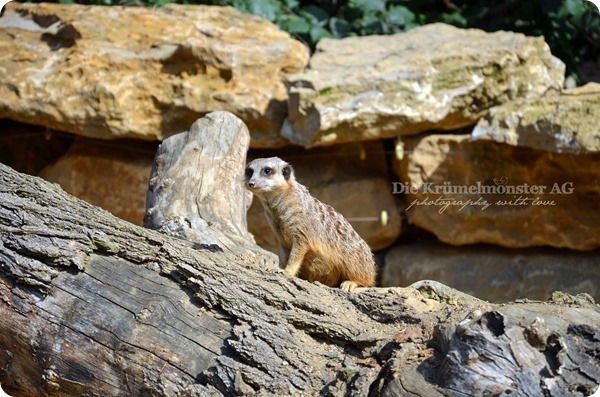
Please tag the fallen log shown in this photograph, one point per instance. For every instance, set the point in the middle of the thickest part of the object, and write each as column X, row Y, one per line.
column 93, row 305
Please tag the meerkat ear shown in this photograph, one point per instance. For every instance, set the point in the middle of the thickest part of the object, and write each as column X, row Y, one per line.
column 287, row 171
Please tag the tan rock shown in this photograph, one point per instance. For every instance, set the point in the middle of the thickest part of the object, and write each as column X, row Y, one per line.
column 358, row 189
column 493, row 273
column 433, row 77
column 145, row 73
column 111, row 175
column 565, row 122
column 468, row 192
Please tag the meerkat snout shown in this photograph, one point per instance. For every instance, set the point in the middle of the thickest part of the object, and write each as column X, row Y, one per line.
column 266, row 176
column 315, row 242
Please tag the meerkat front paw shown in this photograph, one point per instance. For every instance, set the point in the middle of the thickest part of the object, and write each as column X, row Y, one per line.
column 348, row 286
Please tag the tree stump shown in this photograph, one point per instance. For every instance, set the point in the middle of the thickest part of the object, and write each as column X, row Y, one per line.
column 196, row 189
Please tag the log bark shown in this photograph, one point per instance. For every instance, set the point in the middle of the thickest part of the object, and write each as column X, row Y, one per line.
column 93, row 305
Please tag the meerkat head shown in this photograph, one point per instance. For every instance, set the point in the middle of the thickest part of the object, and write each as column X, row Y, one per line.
column 265, row 176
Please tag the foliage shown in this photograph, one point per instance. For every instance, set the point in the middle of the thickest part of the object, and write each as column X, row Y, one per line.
column 571, row 27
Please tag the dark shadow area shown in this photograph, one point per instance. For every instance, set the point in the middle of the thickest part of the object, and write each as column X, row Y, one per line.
column 29, row 148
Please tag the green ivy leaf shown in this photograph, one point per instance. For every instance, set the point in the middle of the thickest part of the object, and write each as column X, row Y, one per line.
column 373, row 25
column 159, row 3
column 317, row 13
column 339, row 27
column 410, row 26
column 241, row 5
column 293, row 24
column 575, row 8
column 268, row 9
column 367, row 6
column 317, row 32
column 291, row 4
column 400, row 15
column 456, row 19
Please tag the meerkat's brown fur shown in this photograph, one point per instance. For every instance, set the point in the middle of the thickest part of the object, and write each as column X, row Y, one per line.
column 315, row 242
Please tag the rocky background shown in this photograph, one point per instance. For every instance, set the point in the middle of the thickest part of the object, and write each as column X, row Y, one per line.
column 372, row 125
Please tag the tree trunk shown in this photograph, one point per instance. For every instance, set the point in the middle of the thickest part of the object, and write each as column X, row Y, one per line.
column 92, row 305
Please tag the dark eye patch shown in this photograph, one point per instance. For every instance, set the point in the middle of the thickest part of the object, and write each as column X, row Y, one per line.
column 249, row 172
column 287, row 171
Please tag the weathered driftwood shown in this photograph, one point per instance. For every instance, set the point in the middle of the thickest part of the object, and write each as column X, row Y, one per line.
column 92, row 305
column 196, row 189
column 522, row 349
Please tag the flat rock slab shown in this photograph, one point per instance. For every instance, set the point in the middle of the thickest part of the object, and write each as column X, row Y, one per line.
column 433, row 77
column 564, row 122
column 469, row 191
column 143, row 73
column 494, row 274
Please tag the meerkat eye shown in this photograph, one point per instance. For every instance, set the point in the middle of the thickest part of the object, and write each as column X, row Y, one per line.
column 249, row 172
column 267, row 171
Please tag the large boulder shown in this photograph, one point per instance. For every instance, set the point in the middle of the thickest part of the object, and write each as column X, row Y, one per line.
column 493, row 273
column 469, row 191
column 433, row 77
column 143, row 73
column 564, row 122
column 353, row 178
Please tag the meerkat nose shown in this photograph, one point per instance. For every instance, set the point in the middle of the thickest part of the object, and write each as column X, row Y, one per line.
column 251, row 184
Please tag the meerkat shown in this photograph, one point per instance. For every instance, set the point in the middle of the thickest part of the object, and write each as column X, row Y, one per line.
column 315, row 242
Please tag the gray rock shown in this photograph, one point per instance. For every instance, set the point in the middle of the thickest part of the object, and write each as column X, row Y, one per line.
column 433, row 77
column 493, row 273
column 564, row 122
